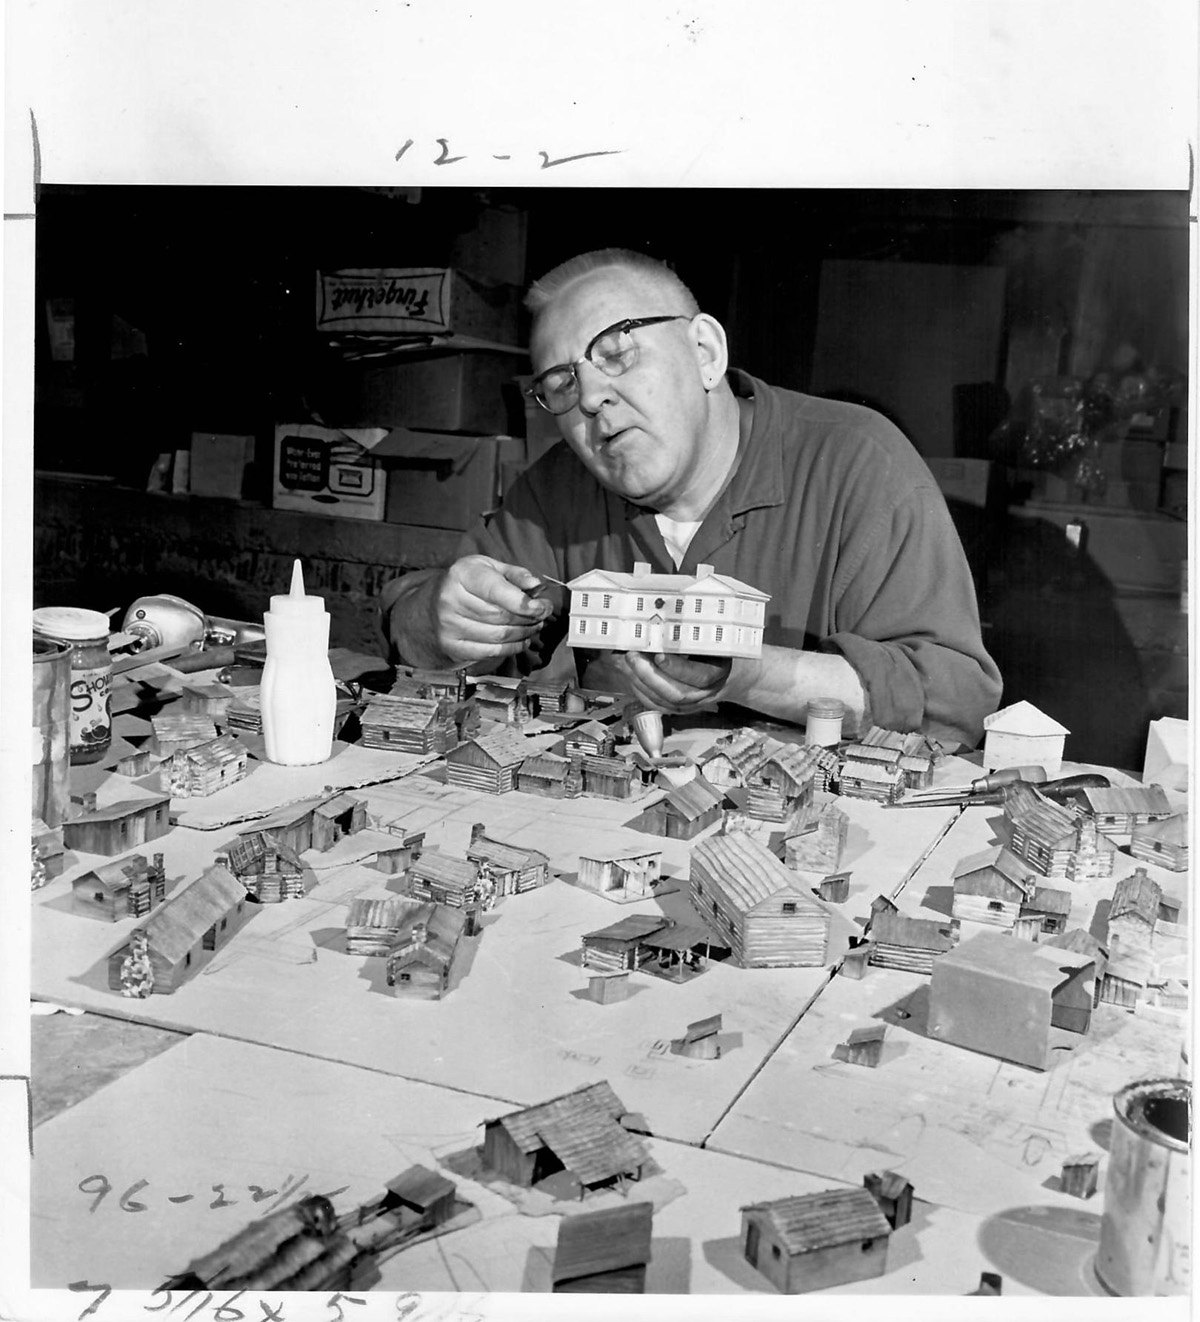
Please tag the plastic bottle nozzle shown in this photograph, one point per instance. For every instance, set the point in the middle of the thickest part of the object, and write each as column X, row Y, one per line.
column 297, row 579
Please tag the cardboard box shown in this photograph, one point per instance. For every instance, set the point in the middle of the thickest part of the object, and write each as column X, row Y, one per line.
column 447, row 481
column 431, row 392
column 432, row 300
column 218, row 465
column 962, row 479
column 322, row 470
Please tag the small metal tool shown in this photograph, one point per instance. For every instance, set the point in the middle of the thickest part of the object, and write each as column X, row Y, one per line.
column 540, row 590
column 992, row 781
column 1057, row 790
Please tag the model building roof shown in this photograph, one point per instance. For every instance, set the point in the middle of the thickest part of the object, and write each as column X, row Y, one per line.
column 581, row 1128
column 805, row 1222
column 1048, row 899
column 633, row 927
column 1029, row 963
column 694, row 799
column 288, row 815
column 445, row 869
column 546, row 766
column 884, row 757
column 420, row 1187
column 217, row 752
column 505, row 747
column 384, row 914
column 176, row 926
column 400, row 713
column 114, row 876
column 897, row 929
column 608, row 1240
column 1170, row 830
column 1076, row 939
column 619, row 768
column 796, row 760
column 909, row 744
column 855, row 769
column 508, row 858
column 1045, row 822
column 114, row 811
column 183, row 724
column 679, row 936
column 744, row 749
column 591, row 729
column 1138, row 894
column 708, row 583
column 443, row 930
column 999, row 859
column 1023, row 718
column 1135, row 799
column 247, row 849
column 336, row 805
column 619, row 855
column 747, row 873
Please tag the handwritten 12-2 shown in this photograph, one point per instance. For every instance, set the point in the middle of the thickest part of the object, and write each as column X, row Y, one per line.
column 548, row 162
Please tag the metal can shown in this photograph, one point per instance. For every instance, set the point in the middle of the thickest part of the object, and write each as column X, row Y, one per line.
column 823, row 726
column 51, row 730
column 86, row 633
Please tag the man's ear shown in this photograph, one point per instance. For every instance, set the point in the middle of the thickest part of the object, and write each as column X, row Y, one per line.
column 712, row 349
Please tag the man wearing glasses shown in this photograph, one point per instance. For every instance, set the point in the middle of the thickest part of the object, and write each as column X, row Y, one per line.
column 674, row 459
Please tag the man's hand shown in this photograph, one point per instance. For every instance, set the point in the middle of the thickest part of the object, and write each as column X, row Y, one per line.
column 675, row 684
column 482, row 608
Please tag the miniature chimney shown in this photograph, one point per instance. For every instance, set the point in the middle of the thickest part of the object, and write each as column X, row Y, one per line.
column 477, row 831
column 86, row 801
column 158, row 862
column 420, row 934
column 704, row 571
column 641, row 568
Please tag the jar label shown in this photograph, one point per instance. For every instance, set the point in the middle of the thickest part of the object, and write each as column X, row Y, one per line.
column 91, row 724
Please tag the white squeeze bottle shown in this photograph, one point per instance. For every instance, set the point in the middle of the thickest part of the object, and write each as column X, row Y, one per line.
column 298, row 696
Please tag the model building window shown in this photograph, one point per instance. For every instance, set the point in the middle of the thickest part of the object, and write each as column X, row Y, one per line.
column 994, row 906
column 675, row 633
column 583, row 626
column 99, row 897
column 406, row 977
column 720, row 605
column 603, row 626
column 719, row 632
column 583, row 596
column 697, row 605
column 696, row 633
column 607, row 601
column 679, row 606
column 637, row 630
column 789, row 906
column 775, row 1253
column 641, row 603
column 866, row 1245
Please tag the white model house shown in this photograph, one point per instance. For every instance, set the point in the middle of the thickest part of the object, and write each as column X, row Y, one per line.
column 1021, row 735
column 708, row 614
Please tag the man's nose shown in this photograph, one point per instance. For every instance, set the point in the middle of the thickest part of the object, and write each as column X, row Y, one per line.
column 595, row 388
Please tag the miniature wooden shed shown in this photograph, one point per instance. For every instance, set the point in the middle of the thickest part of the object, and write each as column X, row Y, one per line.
column 894, row 1194
column 753, row 904
column 203, row 769
column 782, row 783
column 1164, row 842
column 183, row 933
column 514, row 869
column 423, row 961
column 819, row 849
column 701, row 1040
column 453, row 684
column 1120, row 811
column 678, row 951
column 125, row 888
column 623, row 876
column 612, row 777
column 1125, row 979
column 621, row 945
column 1134, row 913
column 817, row 1240
column 608, row 988
column 707, row 614
column 428, row 1196
column 1044, row 913
column 871, row 773
column 579, row 1133
column 686, row 811
column 914, row 753
column 488, row 762
column 444, row 879
column 864, row 1046
column 551, row 776
column 118, row 826
column 911, row 944
column 591, row 738
column 336, row 817
column 991, row 886
column 269, row 869
column 1012, row 999
column 1080, row 1175
column 409, row 725
column 603, row 1252
column 1019, row 736
column 733, row 757
column 502, row 704
column 373, row 925
column 177, row 731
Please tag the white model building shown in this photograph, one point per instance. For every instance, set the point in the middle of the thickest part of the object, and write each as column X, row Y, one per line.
column 707, row 614
column 1021, row 735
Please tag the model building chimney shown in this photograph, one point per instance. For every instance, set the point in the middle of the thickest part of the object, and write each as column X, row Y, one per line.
column 703, row 571
column 477, row 831
column 641, row 568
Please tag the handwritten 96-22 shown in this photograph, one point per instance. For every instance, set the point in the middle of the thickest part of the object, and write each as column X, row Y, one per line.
column 100, row 1187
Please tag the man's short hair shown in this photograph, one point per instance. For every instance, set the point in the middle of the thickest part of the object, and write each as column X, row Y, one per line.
column 546, row 289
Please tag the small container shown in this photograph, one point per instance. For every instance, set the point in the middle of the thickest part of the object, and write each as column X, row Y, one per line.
column 824, row 723
column 298, row 695
column 51, row 730
column 86, row 633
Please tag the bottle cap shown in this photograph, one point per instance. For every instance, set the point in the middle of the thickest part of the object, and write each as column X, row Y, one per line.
column 295, row 604
column 829, row 708
column 72, row 624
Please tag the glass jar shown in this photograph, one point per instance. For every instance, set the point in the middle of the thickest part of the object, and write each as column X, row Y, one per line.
column 86, row 633
column 824, row 724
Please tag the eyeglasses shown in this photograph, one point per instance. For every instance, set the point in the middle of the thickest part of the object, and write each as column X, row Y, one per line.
column 614, row 351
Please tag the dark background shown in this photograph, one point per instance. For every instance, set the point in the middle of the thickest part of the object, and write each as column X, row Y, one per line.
column 193, row 311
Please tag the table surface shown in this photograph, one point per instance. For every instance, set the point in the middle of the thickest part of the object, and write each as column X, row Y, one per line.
column 285, row 1059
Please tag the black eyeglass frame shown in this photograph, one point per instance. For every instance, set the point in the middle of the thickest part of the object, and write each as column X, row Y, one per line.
column 620, row 328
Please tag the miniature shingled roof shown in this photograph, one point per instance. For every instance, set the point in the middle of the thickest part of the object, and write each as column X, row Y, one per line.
column 420, row 1187
column 748, row 873
column 805, row 1222
column 633, row 927
column 897, row 929
column 505, row 747
column 694, row 798
column 176, row 926
column 608, row 1240
column 506, row 857
column 1138, row 894
column 1002, row 860
column 1132, row 799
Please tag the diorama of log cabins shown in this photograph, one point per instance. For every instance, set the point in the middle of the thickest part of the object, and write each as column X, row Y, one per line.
column 403, row 848
column 914, row 753
column 1011, row 999
column 206, row 768
column 551, row 776
column 621, row 945
column 734, row 756
column 314, row 823
column 408, row 725
column 454, row 685
column 870, row 773
column 813, row 1241
column 488, row 762
column 818, row 849
column 578, row 1135
column 422, row 962
column 444, row 879
column 623, row 876
column 1057, row 841
column 782, row 783
column 603, row 1252
column 118, row 826
column 592, row 738
column 910, row 944
column 513, row 869
column 548, row 695
column 1019, row 736
column 1121, row 811
column 373, row 925
column 685, row 811
column 183, row 933
column 753, row 904
column 1044, row 913
column 175, row 732
column 705, row 614
column 614, row 777
column 125, row 888
column 1138, row 910
column 1163, row 842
